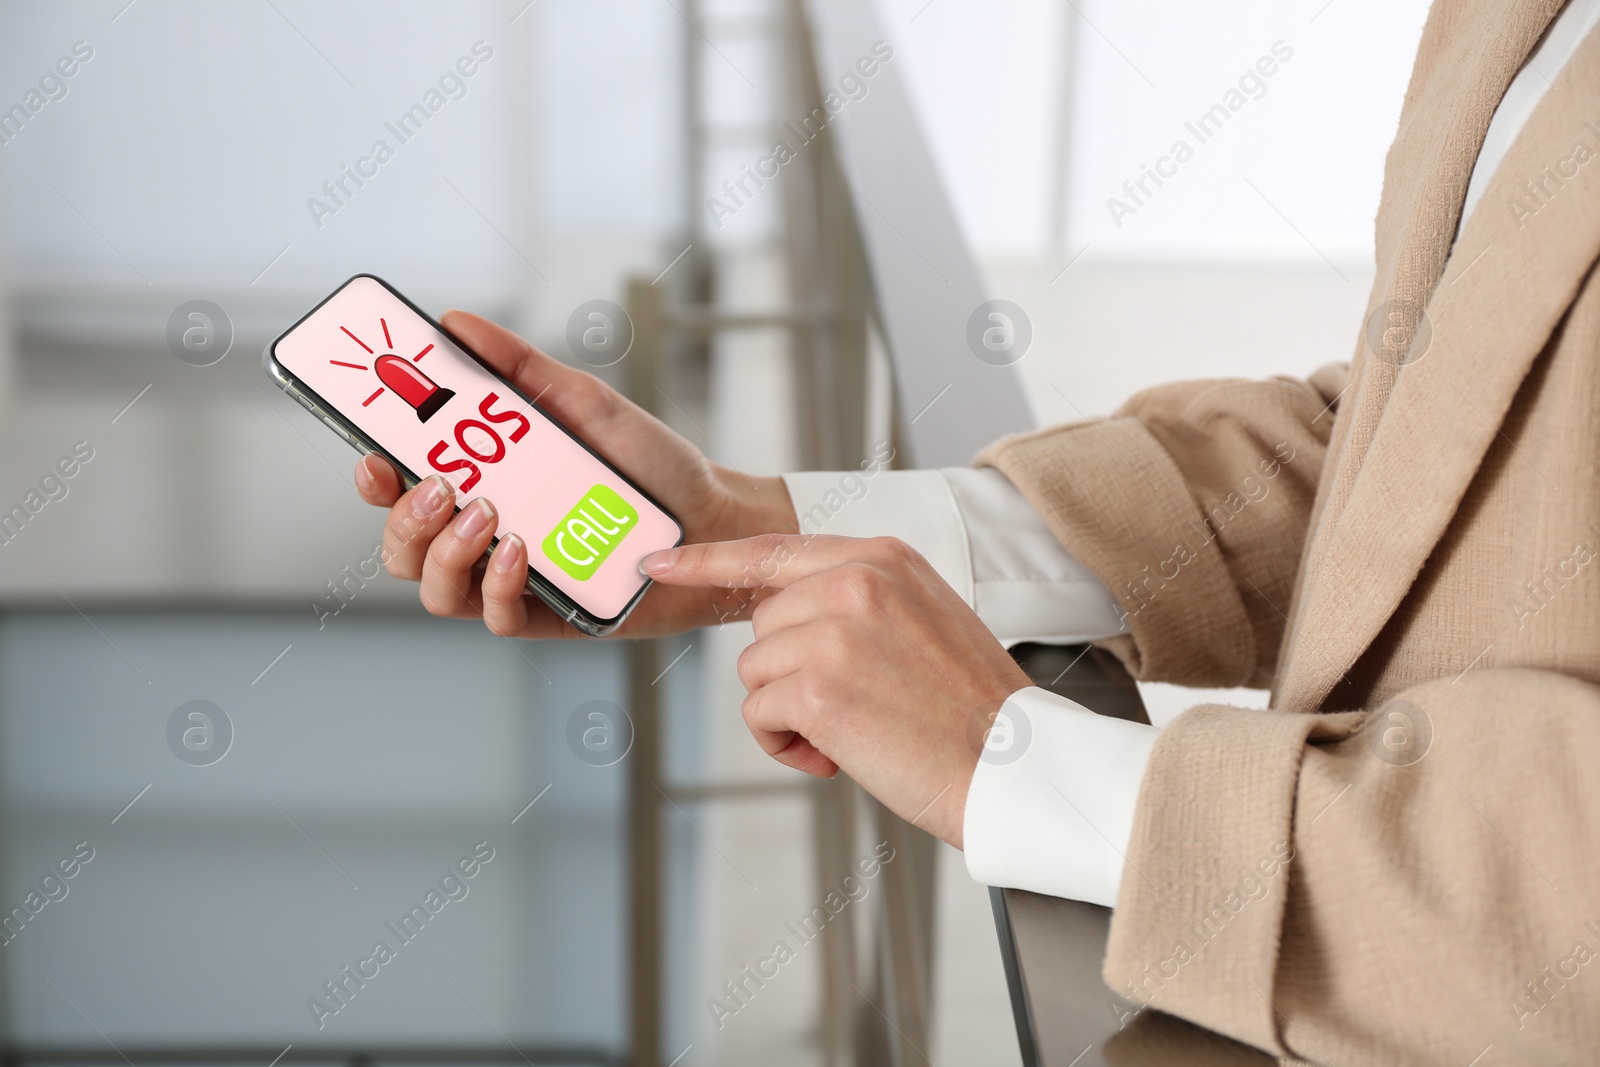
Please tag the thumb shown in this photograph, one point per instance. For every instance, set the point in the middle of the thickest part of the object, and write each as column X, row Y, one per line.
column 571, row 395
column 802, row 755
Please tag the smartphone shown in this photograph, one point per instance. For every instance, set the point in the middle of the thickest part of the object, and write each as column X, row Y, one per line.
column 393, row 382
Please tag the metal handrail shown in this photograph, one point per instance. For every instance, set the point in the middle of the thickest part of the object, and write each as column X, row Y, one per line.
column 925, row 282
column 848, row 264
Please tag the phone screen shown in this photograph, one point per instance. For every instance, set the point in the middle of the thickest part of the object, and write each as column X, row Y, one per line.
column 392, row 373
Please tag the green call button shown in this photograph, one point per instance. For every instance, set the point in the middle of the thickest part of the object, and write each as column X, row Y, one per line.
column 590, row 532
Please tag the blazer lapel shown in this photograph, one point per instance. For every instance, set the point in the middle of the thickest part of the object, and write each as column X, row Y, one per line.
column 1417, row 422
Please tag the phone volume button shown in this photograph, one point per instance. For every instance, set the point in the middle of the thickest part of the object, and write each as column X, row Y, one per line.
column 336, row 428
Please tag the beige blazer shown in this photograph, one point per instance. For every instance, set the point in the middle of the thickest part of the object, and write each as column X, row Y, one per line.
column 1400, row 861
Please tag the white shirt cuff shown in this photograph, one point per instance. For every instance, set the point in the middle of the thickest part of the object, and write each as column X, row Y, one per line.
column 1026, row 585
column 915, row 506
column 1051, row 804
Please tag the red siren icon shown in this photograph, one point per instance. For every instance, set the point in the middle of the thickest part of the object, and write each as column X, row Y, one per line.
column 412, row 386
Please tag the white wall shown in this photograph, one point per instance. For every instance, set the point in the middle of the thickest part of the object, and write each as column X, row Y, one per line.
column 989, row 79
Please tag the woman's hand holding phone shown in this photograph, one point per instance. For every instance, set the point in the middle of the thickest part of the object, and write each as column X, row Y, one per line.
column 424, row 543
column 865, row 659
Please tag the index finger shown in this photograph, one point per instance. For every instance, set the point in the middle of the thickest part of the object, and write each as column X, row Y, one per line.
column 772, row 561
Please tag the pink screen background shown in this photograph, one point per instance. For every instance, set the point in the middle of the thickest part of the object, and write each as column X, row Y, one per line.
column 532, row 486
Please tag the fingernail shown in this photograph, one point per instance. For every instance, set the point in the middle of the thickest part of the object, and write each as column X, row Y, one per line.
column 505, row 554
column 364, row 479
column 659, row 562
column 474, row 519
column 430, row 497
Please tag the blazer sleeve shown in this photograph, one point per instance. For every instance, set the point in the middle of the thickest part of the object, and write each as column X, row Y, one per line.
column 1406, row 884
column 1192, row 504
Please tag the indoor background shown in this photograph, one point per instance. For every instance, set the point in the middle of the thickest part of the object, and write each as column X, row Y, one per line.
column 193, row 556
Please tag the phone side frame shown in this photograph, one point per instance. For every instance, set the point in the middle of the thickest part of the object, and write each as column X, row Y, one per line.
column 558, row 602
